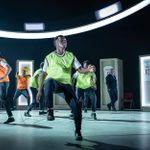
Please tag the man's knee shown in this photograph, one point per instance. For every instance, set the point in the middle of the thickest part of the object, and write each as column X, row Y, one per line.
column 49, row 84
column 50, row 81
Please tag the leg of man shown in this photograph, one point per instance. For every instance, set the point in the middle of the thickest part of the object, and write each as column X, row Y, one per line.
column 42, row 104
column 93, row 99
column 25, row 93
column 75, row 105
column 80, row 97
column 115, row 95
column 33, row 104
column 50, row 86
column 3, row 96
column 86, row 98
column 113, row 99
column 16, row 95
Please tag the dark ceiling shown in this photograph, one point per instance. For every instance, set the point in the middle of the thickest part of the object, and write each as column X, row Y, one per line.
column 55, row 14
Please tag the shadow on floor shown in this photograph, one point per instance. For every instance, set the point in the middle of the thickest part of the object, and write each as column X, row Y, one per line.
column 30, row 125
column 118, row 120
column 98, row 146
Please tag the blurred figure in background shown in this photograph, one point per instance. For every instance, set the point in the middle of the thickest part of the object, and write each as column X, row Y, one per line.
column 85, row 88
column 22, row 86
column 111, row 83
column 5, row 70
column 34, row 85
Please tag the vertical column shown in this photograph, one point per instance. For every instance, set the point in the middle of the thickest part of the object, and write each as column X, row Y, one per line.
column 105, row 65
column 145, row 82
column 22, row 102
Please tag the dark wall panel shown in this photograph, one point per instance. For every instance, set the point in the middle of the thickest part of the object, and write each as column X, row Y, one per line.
column 125, row 39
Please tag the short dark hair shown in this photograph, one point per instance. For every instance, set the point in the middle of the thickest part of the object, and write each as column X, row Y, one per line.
column 55, row 38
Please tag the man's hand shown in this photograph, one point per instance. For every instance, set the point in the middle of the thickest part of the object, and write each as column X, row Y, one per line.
column 92, row 68
column 38, row 96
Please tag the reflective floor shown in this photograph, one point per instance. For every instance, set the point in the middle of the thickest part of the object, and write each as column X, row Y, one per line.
column 121, row 130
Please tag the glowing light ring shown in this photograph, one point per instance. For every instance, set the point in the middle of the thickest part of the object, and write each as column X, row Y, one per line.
column 77, row 30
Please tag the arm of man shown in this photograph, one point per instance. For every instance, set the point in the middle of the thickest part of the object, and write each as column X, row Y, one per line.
column 93, row 81
column 108, row 82
column 17, row 75
column 36, row 80
column 79, row 68
column 91, row 68
column 8, row 69
column 42, row 78
column 74, row 77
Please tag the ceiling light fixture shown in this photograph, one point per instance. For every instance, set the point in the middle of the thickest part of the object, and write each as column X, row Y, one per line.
column 34, row 26
column 108, row 11
column 77, row 30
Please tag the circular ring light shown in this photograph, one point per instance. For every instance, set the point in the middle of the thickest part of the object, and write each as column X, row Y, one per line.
column 77, row 30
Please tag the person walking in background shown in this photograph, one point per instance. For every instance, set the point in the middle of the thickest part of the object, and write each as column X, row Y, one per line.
column 111, row 83
column 34, row 85
column 5, row 70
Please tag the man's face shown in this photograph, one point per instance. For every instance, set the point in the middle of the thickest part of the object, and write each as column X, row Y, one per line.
column 61, row 42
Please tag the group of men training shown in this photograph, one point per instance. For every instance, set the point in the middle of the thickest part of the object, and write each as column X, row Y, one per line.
column 55, row 74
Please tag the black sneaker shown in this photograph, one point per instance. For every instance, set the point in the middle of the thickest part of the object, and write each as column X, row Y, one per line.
column 50, row 117
column 71, row 116
column 85, row 110
column 9, row 120
column 114, row 109
column 42, row 112
column 78, row 136
column 13, row 108
column 93, row 115
column 27, row 114
column 109, row 106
